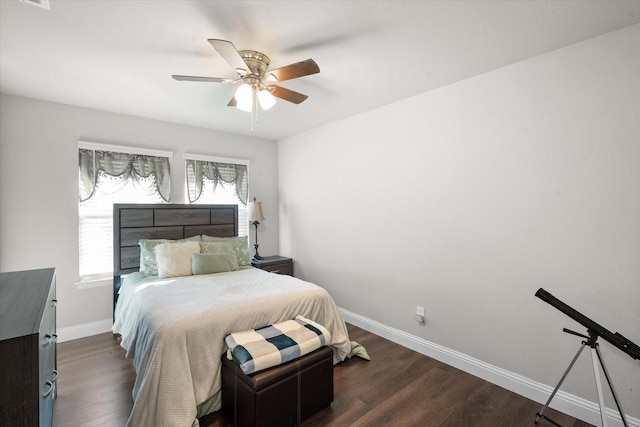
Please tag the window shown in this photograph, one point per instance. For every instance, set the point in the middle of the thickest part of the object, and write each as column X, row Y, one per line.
column 213, row 180
column 107, row 177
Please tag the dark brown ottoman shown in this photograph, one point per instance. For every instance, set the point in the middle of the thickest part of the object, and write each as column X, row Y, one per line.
column 284, row 395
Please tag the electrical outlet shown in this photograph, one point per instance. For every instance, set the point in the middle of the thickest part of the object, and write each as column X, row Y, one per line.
column 420, row 314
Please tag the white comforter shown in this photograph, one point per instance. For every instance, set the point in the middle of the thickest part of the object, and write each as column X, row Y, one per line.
column 174, row 330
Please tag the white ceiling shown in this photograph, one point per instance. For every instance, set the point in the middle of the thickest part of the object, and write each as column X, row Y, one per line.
column 119, row 56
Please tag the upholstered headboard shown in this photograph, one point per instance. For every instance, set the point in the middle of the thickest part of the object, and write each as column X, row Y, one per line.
column 132, row 222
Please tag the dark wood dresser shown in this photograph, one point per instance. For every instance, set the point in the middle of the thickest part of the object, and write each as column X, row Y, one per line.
column 27, row 347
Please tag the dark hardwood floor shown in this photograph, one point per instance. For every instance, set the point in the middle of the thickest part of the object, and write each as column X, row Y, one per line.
column 398, row 387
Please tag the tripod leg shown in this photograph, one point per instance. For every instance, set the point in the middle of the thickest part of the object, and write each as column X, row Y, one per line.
column 540, row 414
column 613, row 391
column 596, row 371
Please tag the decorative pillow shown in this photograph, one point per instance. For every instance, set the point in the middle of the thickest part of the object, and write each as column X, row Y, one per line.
column 213, row 263
column 216, row 248
column 240, row 247
column 174, row 259
column 148, row 263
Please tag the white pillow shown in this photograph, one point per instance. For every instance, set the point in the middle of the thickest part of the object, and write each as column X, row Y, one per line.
column 174, row 259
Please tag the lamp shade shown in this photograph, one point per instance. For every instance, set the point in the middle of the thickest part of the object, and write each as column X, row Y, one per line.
column 255, row 211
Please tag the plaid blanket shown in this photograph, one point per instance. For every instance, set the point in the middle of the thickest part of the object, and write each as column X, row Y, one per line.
column 257, row 349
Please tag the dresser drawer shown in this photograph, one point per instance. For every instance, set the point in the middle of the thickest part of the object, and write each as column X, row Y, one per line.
column 48, row 383
column 275, row 264
column 48, row 374
column 280, row 268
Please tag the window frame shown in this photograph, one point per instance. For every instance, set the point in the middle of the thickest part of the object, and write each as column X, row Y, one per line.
column 98, row 146
column 218, row 159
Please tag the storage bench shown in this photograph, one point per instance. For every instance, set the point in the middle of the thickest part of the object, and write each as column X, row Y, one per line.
column 280, row 396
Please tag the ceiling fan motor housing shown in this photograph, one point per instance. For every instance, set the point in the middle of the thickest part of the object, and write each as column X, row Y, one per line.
column 257, row 62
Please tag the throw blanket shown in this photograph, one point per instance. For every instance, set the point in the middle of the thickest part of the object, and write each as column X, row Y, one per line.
column 258, row 349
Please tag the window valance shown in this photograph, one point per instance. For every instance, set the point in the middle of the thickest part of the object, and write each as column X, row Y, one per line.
column 122, row 168
column 219, row 174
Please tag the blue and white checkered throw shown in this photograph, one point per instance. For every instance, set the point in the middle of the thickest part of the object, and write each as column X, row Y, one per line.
column 258, row 349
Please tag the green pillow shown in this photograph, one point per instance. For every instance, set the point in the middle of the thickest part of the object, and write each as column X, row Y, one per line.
column 240, row 246
column 148, row 261
column 216, row 248
column 212, row 263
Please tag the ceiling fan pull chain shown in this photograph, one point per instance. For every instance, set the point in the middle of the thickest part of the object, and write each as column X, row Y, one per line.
column 255, row 103
column 254, row 109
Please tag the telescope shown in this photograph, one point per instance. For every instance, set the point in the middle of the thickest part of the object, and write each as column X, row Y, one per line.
column 594, row 330
column 592, row 327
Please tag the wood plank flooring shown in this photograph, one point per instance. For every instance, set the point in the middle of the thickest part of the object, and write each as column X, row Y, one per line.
column 398, row 387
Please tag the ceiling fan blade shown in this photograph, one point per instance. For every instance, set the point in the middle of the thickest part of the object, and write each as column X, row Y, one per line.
column 201, row 79
column 229, row 53
column 287, row 94
column 293, row 71
column 232, row 102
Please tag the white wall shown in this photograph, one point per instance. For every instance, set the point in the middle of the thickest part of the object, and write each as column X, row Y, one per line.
column 467, row 199
column 39, row 214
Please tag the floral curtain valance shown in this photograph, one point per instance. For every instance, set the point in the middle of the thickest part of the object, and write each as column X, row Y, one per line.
column 122, row 167
column 219, row 173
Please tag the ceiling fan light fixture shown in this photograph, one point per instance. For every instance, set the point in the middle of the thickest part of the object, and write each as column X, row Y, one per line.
column 244, row 97
column 266, row 99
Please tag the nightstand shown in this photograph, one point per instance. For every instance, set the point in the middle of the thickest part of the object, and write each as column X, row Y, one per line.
column 274, row 264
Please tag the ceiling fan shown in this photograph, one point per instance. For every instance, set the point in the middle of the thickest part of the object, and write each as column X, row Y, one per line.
column 258, row 81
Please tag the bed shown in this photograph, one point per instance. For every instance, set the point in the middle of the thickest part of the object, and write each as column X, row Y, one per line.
column 173, row 328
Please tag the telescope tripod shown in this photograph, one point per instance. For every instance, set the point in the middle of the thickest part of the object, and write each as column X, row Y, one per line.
column 596, row 357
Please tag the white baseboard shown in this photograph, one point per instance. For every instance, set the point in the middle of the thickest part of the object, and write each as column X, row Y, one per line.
column 567, row 403
column 84, row 330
